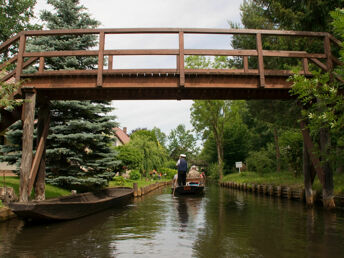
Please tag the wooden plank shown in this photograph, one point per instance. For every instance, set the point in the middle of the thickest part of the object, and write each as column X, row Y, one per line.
column 319, row 63
column 299, row 54
column 28, row 115
column 38, row 164
column 174, row 30
column 311, row 151
column 9, row 75
column 245, row 64
column 305, row 65
column 260, row 60
column 332, row 38
column 20, row 57
column 327, row 49
column 110, row 64
column 7, row 43
column 41, row 65
column 181, row 59
column 62, row 53
column 8, row 62
column 101, row 59
column 220, row 52
column 137, row 52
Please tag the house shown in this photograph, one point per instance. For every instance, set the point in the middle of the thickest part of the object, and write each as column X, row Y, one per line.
column 121, row 136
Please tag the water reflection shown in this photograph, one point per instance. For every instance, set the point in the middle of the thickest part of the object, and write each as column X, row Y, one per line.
column 224, row 223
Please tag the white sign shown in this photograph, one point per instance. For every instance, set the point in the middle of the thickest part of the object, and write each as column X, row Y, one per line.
column 238, row 164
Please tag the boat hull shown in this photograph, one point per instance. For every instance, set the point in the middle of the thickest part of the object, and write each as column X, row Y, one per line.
column 74, row 206
column 189, row 190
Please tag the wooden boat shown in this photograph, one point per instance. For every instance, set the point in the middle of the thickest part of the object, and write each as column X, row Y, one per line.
column 73, row 206
column 194, row 186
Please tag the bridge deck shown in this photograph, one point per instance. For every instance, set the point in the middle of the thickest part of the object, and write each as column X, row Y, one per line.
column 105, row 82
column 160, row 84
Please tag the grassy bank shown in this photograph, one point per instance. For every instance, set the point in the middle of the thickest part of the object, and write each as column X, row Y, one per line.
column 53, row 191
column 50, row 191
column 283, row 178
column 129, row 183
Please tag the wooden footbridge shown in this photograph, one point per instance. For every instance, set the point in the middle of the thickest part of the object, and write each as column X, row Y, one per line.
column 106, row 83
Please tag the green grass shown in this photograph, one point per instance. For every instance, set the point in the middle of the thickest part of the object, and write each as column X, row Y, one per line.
column 50, row 191
column 129, row 183
column 284, row 179
column 1, row 205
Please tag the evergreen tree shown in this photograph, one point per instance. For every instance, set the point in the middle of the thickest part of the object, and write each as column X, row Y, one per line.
column 78, row 146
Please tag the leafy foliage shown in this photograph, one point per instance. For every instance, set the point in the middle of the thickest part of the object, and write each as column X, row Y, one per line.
column 134, row 175
column 15, row 17
column 182, row 141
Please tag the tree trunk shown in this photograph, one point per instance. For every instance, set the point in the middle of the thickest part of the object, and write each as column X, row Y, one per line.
column 309, row 175
column 43, row 121
column 328, row 200
column 27, row 146
column 278, row 154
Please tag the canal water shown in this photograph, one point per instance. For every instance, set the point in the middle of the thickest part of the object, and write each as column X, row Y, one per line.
column 224, row 223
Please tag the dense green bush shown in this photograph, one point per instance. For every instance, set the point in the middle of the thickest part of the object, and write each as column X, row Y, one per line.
column 260, row 161
column 131, row 157
column 85, row 184
column 119, row 180
column 170, row 164
column 169, row 172
column 134, row 175
column 291, row 144
column 213, row 171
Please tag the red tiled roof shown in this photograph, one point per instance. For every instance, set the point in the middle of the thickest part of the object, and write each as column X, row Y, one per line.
column 122, row 136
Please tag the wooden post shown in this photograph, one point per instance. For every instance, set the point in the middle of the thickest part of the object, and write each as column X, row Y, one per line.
column 260, row 60
column 110, row 64
column 41, row 65
column 181, row 59
column 135, row 187
column 20, row 59
column 42, row 133
column 309, row 175
column 101, row 59
column 305, row 66
column 28, row 115
column 245, row 64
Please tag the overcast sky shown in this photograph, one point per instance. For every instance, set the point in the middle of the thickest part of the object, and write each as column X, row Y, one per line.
column 165, row 115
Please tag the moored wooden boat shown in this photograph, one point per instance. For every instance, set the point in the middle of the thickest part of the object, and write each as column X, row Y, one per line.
column 73, row 206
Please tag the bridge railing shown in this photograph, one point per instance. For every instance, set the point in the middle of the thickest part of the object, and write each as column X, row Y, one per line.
column 22, row 59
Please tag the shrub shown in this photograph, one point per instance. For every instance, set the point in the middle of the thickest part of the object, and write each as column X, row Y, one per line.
column 118, row 180
column 213, row 171
column 134, row 175
column 260, row 161
column 291, row 143
column 171, row 164
column 169, row 172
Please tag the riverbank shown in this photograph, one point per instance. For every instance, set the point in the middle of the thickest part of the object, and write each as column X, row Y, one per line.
column 285, row 179
column 282, row 185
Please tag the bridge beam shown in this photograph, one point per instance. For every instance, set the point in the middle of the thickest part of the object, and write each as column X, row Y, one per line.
column 28, row 115
column 42, row 133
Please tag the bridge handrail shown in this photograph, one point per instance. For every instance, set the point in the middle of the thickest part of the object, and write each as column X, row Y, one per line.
column 179, row 53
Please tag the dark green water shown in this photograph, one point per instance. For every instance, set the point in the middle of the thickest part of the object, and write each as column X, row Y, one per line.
column 224, row 223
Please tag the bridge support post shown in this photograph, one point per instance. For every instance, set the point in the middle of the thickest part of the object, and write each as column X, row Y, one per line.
column 28, row 115
column 309, row 175
column 42, row 131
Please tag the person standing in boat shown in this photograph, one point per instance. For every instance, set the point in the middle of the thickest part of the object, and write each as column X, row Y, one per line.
column 182, row 167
